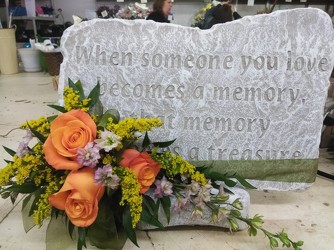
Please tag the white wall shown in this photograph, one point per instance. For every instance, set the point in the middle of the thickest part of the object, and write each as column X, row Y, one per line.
column 183, row 10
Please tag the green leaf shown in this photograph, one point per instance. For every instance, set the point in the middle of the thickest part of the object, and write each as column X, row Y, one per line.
column 146, row 141
column 237, row 204
column 25, row 188
column 29, row 204
column 110, row 113
column 163, row 144
column 150, row 219
column 39, row 136
column 13, row 197
column 233, row 225
column 28, row 221
column 81, row 238
column 103, row 233
column 77, row 87
column 70, row 228
column 97, row 109
column 9, row 151
column 51, row 118
column 243, row 182
column 56, row 237
column 149, row 204
column 127, row 223
column 252, row 231
column 94, row 95
column 57, row 107
column 257, row 220
column 5, row 195
column 166, row 205
column 273, row 242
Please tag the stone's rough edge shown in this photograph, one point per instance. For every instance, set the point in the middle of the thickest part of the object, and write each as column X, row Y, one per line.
column 77, row 27
column 184, row 217
column 279, row 186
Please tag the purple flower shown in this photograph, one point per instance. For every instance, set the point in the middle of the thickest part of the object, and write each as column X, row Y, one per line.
column 23, row 146
column 89, row 155
column 164, row 188
column 106, row 177
column 193, row 188
column 203, row 195
column 181, row 203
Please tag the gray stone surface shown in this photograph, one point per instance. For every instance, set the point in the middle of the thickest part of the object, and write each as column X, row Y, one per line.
column 252, row 89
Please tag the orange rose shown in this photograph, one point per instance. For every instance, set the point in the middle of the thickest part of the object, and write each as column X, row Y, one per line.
column 79, row 197
column 142, row 164
column 69, row 131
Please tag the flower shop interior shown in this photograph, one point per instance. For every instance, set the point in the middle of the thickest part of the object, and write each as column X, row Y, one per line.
column 30, row 63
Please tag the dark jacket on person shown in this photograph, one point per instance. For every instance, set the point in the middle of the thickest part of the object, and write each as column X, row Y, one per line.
column 157, row 16
column 216, row 15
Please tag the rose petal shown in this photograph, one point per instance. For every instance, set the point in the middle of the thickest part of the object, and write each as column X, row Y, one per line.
column 57, row 161
column 128, row 155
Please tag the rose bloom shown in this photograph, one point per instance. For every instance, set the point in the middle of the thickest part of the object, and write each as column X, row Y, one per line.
column 142, row 164
column 68, row 132
column 79, row 197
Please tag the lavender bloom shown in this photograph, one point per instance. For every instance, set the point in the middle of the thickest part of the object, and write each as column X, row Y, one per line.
column 164, row 188
column 89, row 155
column 194, row 188
column 108, row 141
column 204, row 195
column 105, row 176
column 180, row 204
column 23, row 146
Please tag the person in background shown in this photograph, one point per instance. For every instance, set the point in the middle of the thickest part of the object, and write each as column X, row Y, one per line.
column 222, row 12
column 161, row 10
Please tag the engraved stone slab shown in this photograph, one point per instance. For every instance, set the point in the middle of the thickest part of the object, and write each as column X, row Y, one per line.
column 246, row 96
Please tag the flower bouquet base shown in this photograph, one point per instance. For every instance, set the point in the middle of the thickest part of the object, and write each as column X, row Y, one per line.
column 188, row 217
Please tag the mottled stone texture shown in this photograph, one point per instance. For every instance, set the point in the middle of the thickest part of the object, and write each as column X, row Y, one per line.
column 252, row 89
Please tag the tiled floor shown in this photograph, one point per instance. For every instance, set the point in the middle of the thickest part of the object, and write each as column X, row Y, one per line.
column 305, row 215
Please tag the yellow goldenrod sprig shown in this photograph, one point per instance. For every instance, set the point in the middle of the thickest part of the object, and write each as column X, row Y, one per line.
column 43, row 210
column 126, row 128
column 130, row 193
column 175, row 164
column 41, row 125
column 72, row 100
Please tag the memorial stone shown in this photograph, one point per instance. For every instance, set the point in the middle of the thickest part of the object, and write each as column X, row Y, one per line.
column 246, row 96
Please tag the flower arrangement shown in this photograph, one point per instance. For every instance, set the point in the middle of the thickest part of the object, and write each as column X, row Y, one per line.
column 106, row 12
column 199, row 17
column 104, row 175
column 133, row 11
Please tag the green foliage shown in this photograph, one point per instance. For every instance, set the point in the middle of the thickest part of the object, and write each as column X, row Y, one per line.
column 81, row 238
column 150, row 212
column 94, row 95
column 110, row 113
column 127, row 223
column 57, row 107
column 38, row 135
column 104, row 233
column 256, row 223
column 9, row 151
column 77, row 86
column 166, row 205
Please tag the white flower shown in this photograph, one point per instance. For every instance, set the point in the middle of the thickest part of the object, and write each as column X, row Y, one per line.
column 108, row 141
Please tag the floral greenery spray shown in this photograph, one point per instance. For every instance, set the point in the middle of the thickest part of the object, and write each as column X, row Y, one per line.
column 86, row 167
